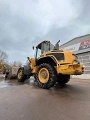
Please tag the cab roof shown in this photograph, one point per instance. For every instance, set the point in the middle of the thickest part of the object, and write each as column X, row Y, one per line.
column 39, row 45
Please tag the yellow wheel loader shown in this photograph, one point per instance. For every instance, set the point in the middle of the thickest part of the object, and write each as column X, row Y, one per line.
column 50, row 65
column 2, row 68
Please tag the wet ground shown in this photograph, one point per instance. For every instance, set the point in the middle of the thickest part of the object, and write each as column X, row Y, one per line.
column 27, row 101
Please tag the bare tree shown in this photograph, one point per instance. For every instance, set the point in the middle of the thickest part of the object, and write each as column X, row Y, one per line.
column 3, row 56
column 19, row 64
column 16, row 63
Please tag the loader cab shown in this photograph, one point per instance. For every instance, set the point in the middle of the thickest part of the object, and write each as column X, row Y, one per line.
column 44, row 46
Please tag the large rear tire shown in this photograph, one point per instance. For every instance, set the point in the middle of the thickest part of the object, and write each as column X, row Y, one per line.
column 63, row 79
column 46, row 76
column 20, row 75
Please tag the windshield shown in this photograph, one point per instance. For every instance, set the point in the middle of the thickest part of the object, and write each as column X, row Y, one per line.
column 38, row 52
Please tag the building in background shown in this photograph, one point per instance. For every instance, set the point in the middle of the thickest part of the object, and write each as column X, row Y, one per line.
column 81, row 47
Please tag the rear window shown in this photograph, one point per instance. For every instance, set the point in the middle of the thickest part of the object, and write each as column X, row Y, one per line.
column 59, row 56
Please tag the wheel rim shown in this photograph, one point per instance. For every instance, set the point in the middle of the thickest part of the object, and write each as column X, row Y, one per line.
column 19, row 74
column 43, row 75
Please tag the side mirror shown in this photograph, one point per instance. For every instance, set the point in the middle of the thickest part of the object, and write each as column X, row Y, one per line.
column 28, row 58
column 33, row 47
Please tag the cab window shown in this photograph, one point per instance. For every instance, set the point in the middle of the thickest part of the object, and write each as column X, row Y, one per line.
column 38, row 52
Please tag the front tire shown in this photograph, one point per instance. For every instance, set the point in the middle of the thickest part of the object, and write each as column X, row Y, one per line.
column 46, row 76
column 20, row 75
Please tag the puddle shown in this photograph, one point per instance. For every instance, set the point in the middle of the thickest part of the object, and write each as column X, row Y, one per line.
column 8, row 83
column 3, row 84
column 13, row 82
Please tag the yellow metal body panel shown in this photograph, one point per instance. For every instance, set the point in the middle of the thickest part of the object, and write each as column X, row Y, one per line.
column 66, row 66
column 32, row 65
column 70, row 69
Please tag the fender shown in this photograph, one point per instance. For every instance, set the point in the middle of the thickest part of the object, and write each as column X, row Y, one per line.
column 46, row 59
column 26, row 70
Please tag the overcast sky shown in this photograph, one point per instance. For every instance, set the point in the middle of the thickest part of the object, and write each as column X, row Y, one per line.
column 24, row 23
